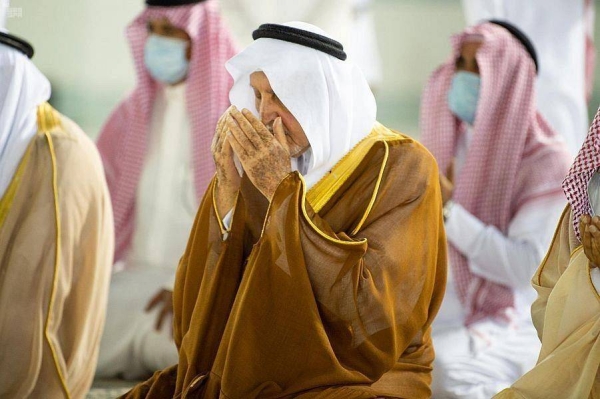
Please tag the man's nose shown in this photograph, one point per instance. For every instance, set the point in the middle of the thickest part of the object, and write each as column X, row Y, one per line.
column 268, row 112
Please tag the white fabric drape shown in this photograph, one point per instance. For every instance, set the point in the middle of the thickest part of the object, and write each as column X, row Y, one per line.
column 22, row 89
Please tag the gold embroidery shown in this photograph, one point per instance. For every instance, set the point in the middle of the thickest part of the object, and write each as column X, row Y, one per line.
column 325, row 188
column 48, row 122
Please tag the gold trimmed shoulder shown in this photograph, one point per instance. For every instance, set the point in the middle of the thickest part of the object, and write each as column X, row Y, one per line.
column 48, row 118
column 382, row 133
column 321, row 193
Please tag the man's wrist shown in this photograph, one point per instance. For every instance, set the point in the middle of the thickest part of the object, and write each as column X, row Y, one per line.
column 276, row 182
column 447, row 209
column 225, row 199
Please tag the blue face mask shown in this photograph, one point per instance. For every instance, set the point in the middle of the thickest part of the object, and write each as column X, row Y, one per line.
column 464, row 95
column 165, row 58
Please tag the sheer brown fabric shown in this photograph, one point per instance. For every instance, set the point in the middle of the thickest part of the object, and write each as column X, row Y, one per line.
column 566, row 315
column 292, row 304
column 56, row 246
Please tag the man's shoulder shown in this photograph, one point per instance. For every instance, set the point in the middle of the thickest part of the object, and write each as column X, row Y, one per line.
column 64, row 132
column 409, row 171
column 70, row 146
column 405, row 155
column 406, row 169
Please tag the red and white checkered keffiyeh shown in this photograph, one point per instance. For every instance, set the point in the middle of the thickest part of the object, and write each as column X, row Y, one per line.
column 123, row 139
column 514, row 155
column 588, row 158
column 585, row 165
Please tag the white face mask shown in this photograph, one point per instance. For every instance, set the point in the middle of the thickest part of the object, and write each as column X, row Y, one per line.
column 166, row 58
column 464, row 95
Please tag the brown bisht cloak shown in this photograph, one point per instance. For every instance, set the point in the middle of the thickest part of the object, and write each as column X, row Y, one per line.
column 318, row 294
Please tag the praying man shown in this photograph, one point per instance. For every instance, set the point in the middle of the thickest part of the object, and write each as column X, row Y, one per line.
column 317, row 271
column 566, row 313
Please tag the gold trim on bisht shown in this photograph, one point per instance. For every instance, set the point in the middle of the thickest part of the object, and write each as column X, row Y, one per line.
column 321, row 193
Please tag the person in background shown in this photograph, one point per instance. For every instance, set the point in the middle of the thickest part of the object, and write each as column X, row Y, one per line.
column 348, row 21
column 156, row 153
column 562, row 32
column 566, row 313
column 56, row 237
column 503, row 166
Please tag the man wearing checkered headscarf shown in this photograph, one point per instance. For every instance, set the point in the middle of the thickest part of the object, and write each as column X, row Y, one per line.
column 563, row 32
column 567, row 311
column 502, row 196
column 156, row 152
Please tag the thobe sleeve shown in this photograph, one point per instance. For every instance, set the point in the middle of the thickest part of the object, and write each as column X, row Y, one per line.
column 228, row 219
column 169, row 284
column 509, row 259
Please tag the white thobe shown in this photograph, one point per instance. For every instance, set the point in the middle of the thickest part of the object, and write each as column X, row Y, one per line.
column 557, row 29
column 165, row 209
column 482, row 359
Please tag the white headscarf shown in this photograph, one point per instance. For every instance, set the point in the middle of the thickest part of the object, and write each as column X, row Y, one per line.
column 22, row 89
column 329, row 97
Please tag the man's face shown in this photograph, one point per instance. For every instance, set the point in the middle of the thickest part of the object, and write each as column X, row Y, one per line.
column 466, row 61
column 270, row 107
column 163, row 27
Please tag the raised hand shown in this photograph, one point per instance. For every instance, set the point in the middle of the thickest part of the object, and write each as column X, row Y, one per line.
column 590, row 238
column 228, row 178
column 264, row 155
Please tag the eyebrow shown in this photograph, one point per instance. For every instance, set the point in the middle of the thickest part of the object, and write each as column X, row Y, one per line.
column 268, row 91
